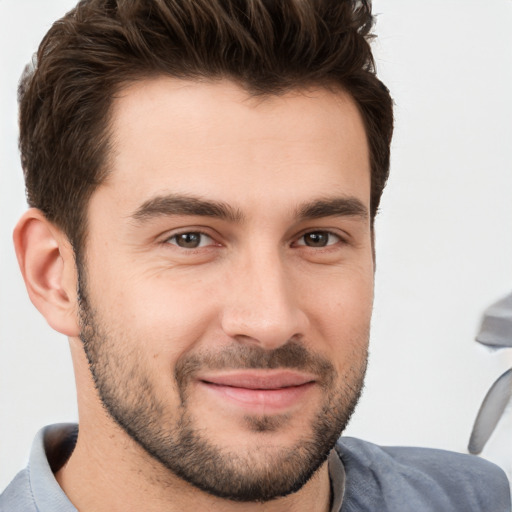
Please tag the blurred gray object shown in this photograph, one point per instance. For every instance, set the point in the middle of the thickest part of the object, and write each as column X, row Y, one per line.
column 496, row 332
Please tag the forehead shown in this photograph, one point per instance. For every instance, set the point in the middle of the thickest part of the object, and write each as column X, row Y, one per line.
column 214, row 139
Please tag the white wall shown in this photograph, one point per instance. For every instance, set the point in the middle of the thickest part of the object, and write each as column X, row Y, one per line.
column 444, row 235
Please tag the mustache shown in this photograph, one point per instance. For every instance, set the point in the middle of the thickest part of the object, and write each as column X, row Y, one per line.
column 293, row 355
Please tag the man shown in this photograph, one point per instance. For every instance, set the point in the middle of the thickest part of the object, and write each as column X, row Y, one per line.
column 203, row 179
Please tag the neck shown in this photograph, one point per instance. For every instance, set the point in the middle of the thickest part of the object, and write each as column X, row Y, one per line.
column 114, row 474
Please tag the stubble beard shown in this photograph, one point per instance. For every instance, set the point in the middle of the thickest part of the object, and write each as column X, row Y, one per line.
column 176, row 438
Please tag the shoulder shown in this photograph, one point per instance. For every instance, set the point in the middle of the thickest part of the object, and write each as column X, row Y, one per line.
column 17, row 497
column 35, row 489
column 419, row 479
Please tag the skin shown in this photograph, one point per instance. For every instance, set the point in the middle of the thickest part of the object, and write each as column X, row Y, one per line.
column 255, row 280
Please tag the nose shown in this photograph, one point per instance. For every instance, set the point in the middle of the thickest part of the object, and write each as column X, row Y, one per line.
column 262, row 306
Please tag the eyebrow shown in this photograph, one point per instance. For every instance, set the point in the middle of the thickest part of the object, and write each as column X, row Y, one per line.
column 171, row 204
column 333, row 207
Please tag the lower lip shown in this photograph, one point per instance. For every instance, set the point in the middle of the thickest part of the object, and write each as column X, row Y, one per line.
column 266, row 400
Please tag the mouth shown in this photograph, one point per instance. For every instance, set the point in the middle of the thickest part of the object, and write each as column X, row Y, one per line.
column 259, row 391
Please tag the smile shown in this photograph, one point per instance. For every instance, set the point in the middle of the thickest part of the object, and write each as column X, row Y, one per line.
column 260, row 391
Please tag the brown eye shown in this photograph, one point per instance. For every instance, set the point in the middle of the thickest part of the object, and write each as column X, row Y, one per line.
column 318, row 239
column 191, row 240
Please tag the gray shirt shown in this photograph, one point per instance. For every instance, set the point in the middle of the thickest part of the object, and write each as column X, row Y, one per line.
column 364, row 478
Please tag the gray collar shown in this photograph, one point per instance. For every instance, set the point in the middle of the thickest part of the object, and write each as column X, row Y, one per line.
column 337, row 477
column 46, row 491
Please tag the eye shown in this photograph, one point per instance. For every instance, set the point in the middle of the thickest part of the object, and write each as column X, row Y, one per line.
column 190, row 240
column 318, row 239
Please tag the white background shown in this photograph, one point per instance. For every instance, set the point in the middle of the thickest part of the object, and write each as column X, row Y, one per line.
column 444, row 237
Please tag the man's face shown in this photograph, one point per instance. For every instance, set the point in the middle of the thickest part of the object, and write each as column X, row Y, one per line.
column 227, row 280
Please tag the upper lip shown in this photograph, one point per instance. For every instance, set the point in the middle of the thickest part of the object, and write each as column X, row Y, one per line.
column 259, row 379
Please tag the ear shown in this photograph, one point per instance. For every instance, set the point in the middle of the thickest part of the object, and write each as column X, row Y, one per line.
column 47, row 263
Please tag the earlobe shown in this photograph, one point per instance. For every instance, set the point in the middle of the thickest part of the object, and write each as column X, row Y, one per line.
column 47, row 264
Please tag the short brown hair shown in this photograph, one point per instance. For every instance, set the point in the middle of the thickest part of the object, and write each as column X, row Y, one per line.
column 267, row 46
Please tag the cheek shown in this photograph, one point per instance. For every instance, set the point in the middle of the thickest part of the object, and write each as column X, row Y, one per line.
column 340, row 312
column 164, row 317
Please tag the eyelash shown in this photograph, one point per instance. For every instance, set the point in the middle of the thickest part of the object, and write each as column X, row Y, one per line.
column 176, row 236
column 202, row 235
column 317, row 232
